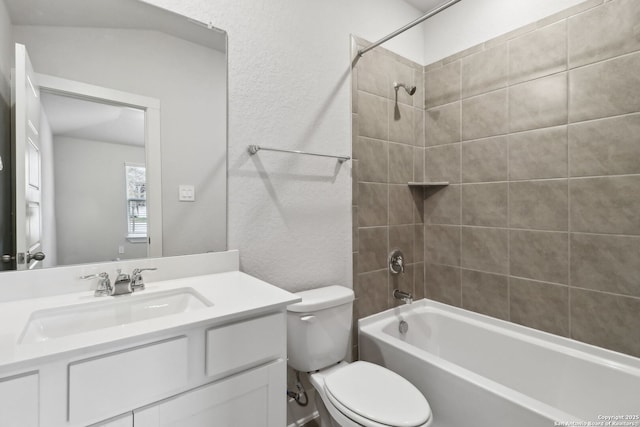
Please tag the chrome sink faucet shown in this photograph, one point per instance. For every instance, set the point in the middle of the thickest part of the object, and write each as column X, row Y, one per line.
column 406, row 297
column 124, row 283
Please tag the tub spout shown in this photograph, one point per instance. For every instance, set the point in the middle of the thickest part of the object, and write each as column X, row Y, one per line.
column 406, row 297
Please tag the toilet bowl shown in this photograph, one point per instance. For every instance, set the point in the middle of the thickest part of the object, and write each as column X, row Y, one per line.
column 364, row 394
column 348, row 394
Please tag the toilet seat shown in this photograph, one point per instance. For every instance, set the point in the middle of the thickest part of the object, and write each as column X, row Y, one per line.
column 374, row 396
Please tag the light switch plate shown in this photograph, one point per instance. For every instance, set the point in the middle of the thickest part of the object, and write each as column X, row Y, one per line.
column 187, row 193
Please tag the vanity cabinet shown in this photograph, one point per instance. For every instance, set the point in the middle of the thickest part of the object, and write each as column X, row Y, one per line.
column 245, row 399
column 223, row 373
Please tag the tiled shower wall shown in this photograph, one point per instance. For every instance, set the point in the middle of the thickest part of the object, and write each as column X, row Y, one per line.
column 539, row 134
column 388, row 151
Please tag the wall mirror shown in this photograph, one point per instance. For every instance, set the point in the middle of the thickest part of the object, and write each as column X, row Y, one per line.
column 119, row 141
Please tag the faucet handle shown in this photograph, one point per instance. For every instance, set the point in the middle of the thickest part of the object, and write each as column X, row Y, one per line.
column 104, row 287
column 137, row 282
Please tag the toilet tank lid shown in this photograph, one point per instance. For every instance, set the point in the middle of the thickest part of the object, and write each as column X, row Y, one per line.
column 321, row 298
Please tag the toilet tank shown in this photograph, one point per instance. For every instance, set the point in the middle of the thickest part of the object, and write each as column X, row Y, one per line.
column 319, row 327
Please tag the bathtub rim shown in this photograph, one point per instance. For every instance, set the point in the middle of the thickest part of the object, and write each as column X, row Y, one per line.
column 580, row 349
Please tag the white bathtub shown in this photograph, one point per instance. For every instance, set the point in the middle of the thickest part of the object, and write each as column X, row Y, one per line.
column 478, row 371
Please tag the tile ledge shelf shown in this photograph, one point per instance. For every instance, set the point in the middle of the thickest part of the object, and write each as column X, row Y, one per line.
column 428, row 184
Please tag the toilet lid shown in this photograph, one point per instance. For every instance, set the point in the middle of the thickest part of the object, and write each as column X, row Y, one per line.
column 378, row 394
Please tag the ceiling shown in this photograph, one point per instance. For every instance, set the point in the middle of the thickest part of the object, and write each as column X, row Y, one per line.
column 114, row 14
column 425, row 5
column 85, row 119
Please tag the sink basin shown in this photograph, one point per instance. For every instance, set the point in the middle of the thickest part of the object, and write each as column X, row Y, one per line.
column 54, row 323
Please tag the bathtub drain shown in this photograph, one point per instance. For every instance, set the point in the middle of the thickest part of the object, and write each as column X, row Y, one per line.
column 403, row 327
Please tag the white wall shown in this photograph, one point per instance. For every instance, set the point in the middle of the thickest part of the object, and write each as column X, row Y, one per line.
column 91, row 200
column 471, row 22
column 289, row 87
column 190, row 82
column 47, row 194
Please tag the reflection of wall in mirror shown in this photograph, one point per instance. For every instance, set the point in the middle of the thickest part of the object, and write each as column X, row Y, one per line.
column 48, row 238
column 6, row 51
column 91, row 200
column 190, row 81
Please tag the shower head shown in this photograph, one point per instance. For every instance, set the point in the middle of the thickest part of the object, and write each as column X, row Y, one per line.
column 410, row 89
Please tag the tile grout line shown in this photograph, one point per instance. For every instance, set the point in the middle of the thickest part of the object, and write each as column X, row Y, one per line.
column 460, row 181
column 569, row 280
column 508, row 184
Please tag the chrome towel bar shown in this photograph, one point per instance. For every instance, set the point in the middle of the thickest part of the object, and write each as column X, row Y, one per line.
column 253, row 149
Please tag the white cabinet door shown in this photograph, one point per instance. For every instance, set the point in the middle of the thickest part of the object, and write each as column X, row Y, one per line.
column 253, row 398
column 19, row 401
column 125, row 420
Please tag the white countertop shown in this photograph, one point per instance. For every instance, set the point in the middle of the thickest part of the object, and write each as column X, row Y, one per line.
column 234, row 296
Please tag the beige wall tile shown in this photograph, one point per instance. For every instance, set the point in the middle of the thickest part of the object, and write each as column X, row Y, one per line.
column 605, row 205
column 484, row 71
column 442, row 85
column 400, row 163
column 539, row 255
column 402, row 73
column 538, row 103
column 373, row 116
column 372, row 204
column 485, row 249
column 485, row 115
column 418, row 164
column 540, row 205
column 418, row 281
column 354, row 228
column 402, row 205
column 605, row 89
column 442, row 163
column 604, row 32
column 540, row 153
column 485, row 293
column 403, row 237
column 401, row 123
column 374, row 72
column 606, row 320
column 442, row 244
column 373, row 156
column 372, row 249
column 485, row 160
column 418, row 243
column 605, row 147
column 485, row 204
column 442, row 124
column 418, row 127
column 538, row 53
column 442, row 283
column 372, row 293
column 354, row 182
column 540, row 305
column 606, row 263
column 442, row 205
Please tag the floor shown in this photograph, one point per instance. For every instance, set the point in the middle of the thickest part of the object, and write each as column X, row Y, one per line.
column 312, row 423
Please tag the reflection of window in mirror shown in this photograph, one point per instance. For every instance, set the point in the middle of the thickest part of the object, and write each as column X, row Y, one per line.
column 135, row 176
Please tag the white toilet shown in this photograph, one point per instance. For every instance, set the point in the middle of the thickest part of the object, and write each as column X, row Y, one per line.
column 350, row 394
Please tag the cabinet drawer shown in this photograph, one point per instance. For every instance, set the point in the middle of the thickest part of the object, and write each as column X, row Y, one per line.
column 19, row 401
column 242, row 345
column 117, row 382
